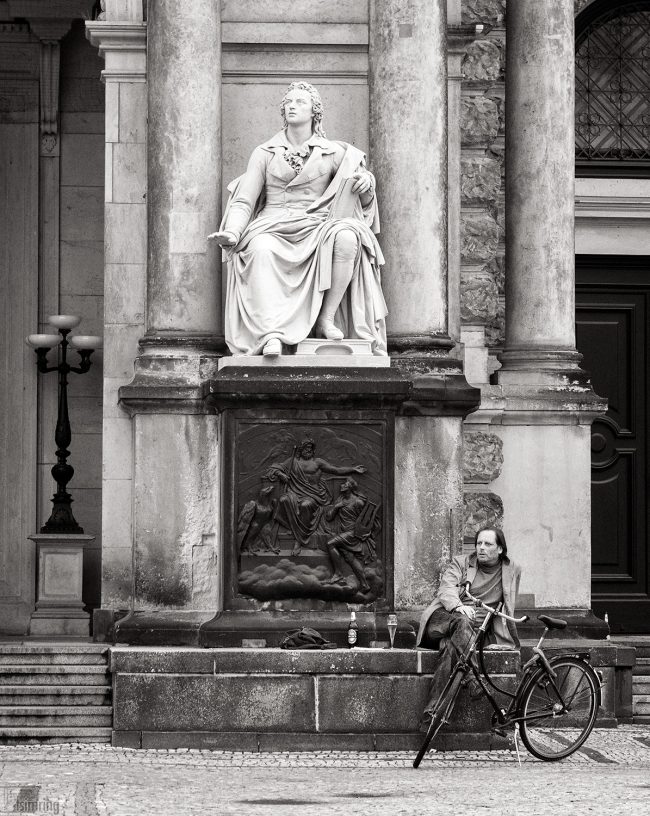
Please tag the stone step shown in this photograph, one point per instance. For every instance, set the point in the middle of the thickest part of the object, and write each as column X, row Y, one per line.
column 54, row 675
column 55, row 716
column 641, row 705
column 640, row 719
column 54, row 695
column 641, row 667
column 47, row 657
column 54, row 734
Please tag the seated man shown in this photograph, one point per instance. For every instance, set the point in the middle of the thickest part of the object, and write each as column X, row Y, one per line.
column 448, row 623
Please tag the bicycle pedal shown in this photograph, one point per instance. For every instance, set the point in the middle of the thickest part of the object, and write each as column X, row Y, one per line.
column 501, row 732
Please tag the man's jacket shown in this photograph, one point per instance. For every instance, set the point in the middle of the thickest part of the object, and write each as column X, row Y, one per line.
column 463, row 568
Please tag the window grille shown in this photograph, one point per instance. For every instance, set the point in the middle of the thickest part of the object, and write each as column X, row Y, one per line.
column 613, row 88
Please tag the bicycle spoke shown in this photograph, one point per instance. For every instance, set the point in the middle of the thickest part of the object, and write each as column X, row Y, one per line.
column 558, row 714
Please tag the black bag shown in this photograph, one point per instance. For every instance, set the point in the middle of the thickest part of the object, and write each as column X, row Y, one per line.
column 305, row 638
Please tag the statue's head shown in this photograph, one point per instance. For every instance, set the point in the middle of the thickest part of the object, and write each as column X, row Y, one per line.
column 316, row 105
column 306, row 448
column 349, row 485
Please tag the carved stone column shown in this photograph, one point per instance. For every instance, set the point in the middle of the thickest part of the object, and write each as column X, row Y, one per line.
column 408, row 148
column 184, row 158
column 540, row 336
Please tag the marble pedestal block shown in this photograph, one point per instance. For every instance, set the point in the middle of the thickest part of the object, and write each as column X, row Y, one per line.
column 315, row 353
column 59, row 604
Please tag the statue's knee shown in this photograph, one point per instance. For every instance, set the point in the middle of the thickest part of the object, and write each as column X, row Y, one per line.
column 345, row 245
column 261, row 245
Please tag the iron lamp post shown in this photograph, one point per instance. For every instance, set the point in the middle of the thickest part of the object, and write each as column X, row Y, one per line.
column 61, row 519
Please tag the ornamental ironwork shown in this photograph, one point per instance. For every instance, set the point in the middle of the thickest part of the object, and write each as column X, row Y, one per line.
column 613, row 87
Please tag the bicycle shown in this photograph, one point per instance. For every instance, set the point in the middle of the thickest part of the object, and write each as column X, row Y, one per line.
column 554, row 706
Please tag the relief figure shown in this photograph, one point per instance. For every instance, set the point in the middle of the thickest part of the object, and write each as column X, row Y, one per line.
column 304, row 494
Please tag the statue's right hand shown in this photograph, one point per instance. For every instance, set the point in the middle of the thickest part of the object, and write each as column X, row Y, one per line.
column 283, row 477
column 223, row 238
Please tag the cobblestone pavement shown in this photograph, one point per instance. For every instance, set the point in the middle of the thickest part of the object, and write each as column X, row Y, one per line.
column 608, row 776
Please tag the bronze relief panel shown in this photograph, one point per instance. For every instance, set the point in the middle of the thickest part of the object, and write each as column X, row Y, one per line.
column 308, row 507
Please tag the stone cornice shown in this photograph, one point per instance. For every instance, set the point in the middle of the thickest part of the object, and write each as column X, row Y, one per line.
column 123, row 47
column 619, row 207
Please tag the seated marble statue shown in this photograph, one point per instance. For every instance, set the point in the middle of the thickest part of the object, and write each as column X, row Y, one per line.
column 294, row 268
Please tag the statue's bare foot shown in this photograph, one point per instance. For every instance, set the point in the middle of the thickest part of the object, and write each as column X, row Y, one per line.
column 273, row 348
column 296, row 550
column 328, row 330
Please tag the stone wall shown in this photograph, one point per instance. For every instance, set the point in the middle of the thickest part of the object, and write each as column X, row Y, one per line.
column 81, row 283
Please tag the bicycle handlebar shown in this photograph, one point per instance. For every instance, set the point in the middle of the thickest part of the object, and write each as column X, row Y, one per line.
column 480, row 603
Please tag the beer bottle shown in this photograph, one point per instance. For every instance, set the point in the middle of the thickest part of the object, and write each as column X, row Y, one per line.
column 353, row 630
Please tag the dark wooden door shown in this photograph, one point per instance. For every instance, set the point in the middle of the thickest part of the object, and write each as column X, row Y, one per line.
column 613, row 334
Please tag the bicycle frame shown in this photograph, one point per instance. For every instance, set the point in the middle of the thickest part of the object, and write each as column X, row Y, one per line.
column 510, row 716
column 537, row 672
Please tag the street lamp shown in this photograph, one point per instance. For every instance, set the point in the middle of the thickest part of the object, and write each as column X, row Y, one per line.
column 61, row 519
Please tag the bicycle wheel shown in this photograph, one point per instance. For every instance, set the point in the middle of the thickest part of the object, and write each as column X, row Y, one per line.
column 441, row 711
column 555, row 725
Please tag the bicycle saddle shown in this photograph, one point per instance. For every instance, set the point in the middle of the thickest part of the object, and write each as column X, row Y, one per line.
column 552, row 623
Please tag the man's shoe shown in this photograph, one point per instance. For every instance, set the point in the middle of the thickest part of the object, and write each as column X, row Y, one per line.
column 425, row 722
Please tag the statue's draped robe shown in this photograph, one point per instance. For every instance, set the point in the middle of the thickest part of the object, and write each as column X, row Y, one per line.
column 281, row 266
column 301, row 502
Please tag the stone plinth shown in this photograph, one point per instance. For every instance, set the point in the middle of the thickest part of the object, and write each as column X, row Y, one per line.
column 272, row 699
column 59, row 605
column 314, row 353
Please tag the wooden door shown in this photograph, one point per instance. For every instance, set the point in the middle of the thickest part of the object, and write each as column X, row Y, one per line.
column 613, row 334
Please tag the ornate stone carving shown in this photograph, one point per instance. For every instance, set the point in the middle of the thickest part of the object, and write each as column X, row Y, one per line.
column 479, row 120
column 480, row 180
column 309, row 513
column 478, row 297
column 497, row 268
column 495, row 330
column 482, row 457
column 479, row 237
column 482, row 61
column 491, row 12
column 481, row 510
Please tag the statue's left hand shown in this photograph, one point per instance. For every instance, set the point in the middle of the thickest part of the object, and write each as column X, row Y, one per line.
column 359, row 469
column 364, row 182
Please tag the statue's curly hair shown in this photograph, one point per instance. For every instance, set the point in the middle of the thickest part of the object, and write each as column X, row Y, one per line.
column 307, row 442
column 316, row 105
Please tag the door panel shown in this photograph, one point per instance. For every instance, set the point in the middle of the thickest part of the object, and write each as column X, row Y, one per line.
column 613, row 334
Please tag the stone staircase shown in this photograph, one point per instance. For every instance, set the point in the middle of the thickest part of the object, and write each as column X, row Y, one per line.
column 640, row 675
column 641, row 683
column 54, row 692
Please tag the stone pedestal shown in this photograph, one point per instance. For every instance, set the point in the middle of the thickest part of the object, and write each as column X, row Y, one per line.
column 59, row 604
column 343, row 699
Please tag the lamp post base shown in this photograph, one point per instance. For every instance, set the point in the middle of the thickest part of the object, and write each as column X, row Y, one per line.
column 59, row 605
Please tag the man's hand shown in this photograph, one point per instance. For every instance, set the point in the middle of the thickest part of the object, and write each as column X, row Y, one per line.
column 223, row 238
column 468, row 611
column 364, row 182
column 360, row 469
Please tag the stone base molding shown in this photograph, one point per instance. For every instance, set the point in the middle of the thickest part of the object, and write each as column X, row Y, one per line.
column 59, row 604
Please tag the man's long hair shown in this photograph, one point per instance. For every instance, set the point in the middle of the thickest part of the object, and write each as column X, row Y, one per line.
column 500, row 538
